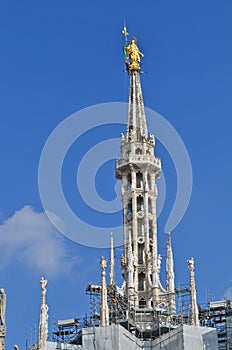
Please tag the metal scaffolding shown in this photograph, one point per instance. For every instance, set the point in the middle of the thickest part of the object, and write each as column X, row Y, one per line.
column 145, row 323
column 218, row 315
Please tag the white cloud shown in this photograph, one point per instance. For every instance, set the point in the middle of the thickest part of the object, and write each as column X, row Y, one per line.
column 29, row 238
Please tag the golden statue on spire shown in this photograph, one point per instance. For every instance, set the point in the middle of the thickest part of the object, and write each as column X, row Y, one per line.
column 134, row 54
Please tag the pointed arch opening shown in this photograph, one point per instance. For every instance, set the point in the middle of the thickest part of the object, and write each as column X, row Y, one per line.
column 141, row 280
column 150, row 229
column 140, row 203
column 140, row 253
column 129, row 206
column 129, row 181
column 139, row 180
column 138, row 151
column 149, row 205
column 140, row 228
column 142, row 303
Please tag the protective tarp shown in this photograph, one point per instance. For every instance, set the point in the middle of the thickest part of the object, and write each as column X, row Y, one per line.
column 200, row 338
column 61, row 346
column 186, row 338
column 114, row 337
column 173, row 340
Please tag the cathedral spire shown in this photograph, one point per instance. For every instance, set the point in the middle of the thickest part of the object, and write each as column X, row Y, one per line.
column 170, row 277
column 138, row 170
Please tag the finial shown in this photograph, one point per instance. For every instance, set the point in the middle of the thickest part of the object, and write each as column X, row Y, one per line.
column 125, row 53
column 124, row 31
column 103, row 262
column 191, row 264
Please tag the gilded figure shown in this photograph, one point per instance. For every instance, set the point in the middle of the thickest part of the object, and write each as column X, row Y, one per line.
column 134, row 54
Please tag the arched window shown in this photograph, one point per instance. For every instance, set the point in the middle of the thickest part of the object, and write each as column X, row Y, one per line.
column 139, row 180
column 129, row 181
column 129, row 206
column 140, row 228
column 141, row 279
column 138, row 151
column 149, row 205
column 139, row 203
column 140, row 253
column 150, row 229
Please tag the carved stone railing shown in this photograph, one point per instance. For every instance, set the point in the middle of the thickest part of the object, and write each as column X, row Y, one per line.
column 139, row 159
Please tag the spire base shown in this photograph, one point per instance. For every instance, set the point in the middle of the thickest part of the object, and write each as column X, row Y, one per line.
column 134, row 66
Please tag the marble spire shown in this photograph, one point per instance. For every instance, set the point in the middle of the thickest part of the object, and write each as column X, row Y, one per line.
column 104, row 310
column 138, row 169
column 193, row 312
column 170, row 277
column 43, row 323
column 111, row 273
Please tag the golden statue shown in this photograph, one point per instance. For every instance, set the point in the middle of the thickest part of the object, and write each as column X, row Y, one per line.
column 134, row 55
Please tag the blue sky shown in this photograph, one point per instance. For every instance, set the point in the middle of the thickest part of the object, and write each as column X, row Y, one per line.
column 58, row 57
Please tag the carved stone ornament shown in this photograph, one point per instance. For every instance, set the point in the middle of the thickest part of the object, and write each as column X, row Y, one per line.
column 140, row 214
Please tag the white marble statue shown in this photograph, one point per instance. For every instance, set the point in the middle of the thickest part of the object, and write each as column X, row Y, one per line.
column 2, row 307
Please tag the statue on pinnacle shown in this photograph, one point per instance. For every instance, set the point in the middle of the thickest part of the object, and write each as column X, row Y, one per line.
column 2, row 318
column 131, row 52
column 134, row 54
